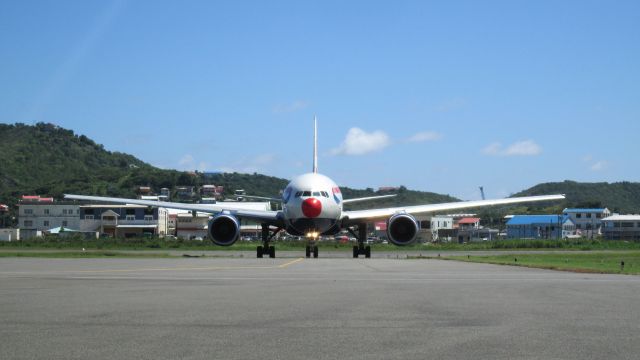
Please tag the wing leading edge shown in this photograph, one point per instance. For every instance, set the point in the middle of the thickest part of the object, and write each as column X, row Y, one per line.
column 233, row 208
column 375, row 214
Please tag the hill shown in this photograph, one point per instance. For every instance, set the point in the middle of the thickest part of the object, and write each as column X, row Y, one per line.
column 48, row 160
column 621, row 197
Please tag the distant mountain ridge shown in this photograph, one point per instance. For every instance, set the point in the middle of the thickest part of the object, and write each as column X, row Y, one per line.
column 45, row 159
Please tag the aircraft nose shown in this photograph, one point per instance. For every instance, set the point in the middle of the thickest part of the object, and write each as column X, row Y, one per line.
column 311, row 207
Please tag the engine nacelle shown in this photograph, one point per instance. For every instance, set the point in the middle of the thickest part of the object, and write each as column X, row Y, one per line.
column 224, row 229
column 402, row 229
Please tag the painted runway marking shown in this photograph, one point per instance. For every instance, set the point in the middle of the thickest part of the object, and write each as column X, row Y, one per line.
column 290, row 263
column 201, row 268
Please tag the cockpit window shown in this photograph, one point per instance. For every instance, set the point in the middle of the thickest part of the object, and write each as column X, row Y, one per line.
column 325, row 194
column 298, row 193
column 306, row 193
column 316, row 193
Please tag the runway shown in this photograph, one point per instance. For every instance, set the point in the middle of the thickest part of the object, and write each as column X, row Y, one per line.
column 294, row 308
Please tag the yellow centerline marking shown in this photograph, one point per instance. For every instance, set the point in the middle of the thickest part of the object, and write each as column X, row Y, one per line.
column 290, row 263
column 281, row 266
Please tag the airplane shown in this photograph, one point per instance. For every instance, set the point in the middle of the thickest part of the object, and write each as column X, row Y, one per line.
column 312, row 206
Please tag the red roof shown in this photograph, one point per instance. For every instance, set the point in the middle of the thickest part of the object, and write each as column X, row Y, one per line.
column 469, row 220
column 4, row 207
column 30, row 197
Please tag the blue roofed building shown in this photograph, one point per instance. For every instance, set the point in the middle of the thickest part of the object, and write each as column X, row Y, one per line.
column 539, row 227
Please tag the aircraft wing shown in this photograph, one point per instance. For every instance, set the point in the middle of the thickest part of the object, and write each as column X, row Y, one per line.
column 347, row 201
column 233, row 208
column 384, row 213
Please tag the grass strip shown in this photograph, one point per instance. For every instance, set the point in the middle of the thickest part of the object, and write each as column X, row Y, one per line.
column 605, row 263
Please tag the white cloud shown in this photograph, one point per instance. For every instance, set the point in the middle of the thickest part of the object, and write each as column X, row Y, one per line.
column 360, row 142
column 599, row 166
column 492, row 149
column 187, row 162
column 291, row 107
column 523, row 148
column 520, row 148
column 425, row 136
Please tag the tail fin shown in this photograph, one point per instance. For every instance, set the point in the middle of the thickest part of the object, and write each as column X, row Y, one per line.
column 315, row 145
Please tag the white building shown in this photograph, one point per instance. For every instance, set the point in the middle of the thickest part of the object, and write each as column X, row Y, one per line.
column 621, row 227
column 119, row 220
column 440, row 222
column 36, row 217
column 9, row 234
column 588, row 222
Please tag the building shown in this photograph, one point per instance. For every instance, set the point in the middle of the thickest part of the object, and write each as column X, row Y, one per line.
column 588, row 222
column 539, row 227
column 469, row 223
column 441, row 226
column 9, row 234
column 36, row 215
column 185, row 192
column 123, row 220
column 211, row 191
column 191, row 226
column 621, row 227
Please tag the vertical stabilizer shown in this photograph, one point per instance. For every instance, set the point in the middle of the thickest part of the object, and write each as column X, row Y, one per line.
column 315, row 145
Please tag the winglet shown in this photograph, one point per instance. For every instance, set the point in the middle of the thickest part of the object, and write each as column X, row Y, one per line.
column 315, row 145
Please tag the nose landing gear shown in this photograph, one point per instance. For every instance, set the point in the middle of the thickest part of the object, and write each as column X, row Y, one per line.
column 311, row 249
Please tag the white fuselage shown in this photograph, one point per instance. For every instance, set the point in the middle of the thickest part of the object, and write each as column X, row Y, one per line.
column 312, row 205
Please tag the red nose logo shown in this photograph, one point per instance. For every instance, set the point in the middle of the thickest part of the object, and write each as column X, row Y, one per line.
column 311, row 207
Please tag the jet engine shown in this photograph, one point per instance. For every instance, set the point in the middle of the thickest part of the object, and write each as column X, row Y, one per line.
column 402, row 229
column 224, row 229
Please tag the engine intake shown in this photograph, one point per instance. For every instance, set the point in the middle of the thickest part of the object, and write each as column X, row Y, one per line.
column 224, row 229
column 402, row 229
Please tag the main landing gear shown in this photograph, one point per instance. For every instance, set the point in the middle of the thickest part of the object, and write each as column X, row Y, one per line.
column 360, row 249
column 267, row 249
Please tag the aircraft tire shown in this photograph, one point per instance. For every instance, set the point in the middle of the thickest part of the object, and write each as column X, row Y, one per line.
column 259, row 252
column 308, row 251
column 272, row 251
column 367, row 252
column 355, row 252
column 315, row 251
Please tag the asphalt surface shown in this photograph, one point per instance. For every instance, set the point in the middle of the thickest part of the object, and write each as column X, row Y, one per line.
column 327, row 308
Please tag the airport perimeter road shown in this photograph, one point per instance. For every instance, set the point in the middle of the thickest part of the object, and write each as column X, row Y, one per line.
column 311, row 309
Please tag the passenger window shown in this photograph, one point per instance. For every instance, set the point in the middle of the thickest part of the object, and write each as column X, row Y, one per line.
column 306, row 193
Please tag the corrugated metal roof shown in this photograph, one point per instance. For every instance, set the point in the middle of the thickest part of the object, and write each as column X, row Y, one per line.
column 622, row 218
column 584, row 210
column 534, row 219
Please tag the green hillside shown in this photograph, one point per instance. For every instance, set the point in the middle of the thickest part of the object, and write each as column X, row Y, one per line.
column 48, row 160
column 621, row 197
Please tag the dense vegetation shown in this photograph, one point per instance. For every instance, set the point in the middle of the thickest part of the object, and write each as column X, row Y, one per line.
column 47, row 160
column 621, row 197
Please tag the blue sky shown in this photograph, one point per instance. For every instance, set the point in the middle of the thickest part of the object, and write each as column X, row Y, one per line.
column 436, row 96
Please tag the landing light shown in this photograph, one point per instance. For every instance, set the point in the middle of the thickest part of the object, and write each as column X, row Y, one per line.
column 313, row 234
